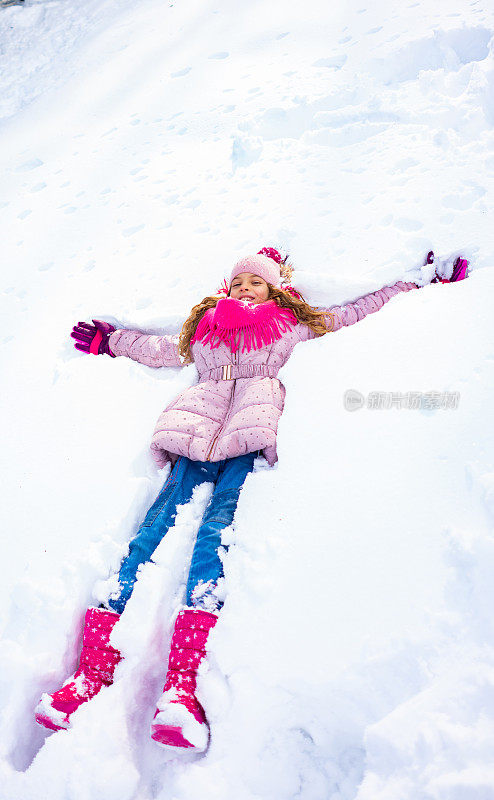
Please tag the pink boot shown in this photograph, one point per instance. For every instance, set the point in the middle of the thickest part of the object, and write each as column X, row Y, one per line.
column 96, row 667
column 180, row 720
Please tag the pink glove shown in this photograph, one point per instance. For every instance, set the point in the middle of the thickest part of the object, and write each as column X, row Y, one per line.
column 438, row 270
column 93, row 338
column 459, row 273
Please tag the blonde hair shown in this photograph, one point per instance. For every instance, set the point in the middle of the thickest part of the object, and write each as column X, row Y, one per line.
column 306, row 314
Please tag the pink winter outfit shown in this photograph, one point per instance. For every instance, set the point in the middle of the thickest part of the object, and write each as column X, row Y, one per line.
column 228, row 416
column 235, row 406
column 97, row 664
column 179, row 720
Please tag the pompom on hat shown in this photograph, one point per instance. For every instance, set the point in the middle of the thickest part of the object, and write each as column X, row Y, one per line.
column 270, row 252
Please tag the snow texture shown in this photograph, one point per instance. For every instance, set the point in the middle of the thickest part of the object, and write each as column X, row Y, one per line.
column 145, row 146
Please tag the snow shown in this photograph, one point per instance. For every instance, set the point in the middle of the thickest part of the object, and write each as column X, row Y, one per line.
column 145, row 146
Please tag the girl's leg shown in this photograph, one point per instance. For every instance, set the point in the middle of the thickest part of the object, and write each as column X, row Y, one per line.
column 180, row 720
column 98, row 657
column 206, row 566
column 185, row 475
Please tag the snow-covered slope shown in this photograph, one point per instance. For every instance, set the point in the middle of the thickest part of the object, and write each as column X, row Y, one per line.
column 144, row 147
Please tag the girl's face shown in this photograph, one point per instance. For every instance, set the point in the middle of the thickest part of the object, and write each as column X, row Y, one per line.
column 247, row 286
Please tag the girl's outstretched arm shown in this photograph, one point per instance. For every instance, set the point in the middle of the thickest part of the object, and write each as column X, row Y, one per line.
column 154, row 351
column 448, row 270
column 339, row 316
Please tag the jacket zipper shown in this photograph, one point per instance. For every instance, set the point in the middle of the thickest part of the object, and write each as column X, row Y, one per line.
column 230, row 404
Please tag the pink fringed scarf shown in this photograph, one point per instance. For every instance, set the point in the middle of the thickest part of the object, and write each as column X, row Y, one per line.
column 233, row 321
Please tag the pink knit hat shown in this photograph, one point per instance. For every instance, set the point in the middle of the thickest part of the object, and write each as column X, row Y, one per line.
column 262, row 265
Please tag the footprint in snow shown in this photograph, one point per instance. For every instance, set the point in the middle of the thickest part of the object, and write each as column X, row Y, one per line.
column 333, row 62
column 404, row 164
column 27, row 166
column 219, row 56
column 407, row 224
column 131, row 231
column 181, row 72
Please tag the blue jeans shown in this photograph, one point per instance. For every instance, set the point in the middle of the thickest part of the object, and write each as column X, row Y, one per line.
column 206, row 567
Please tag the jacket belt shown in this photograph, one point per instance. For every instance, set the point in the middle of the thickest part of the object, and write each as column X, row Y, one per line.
column 230, row 372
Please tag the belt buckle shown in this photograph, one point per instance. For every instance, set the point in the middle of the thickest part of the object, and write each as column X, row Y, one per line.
column 226, row 374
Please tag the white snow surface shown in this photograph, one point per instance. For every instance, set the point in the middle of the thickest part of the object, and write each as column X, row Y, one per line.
column 145, row 146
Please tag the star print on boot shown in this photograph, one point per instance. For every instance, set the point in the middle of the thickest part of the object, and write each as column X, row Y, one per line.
column 97, row 664
column 180, row 721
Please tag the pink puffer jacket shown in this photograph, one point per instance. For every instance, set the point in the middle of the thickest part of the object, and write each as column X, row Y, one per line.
column 235, row 406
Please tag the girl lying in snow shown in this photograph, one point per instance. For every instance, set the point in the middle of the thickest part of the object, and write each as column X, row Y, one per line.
column 212, row 432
